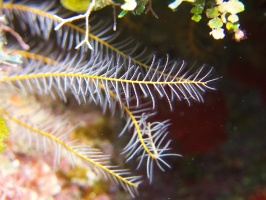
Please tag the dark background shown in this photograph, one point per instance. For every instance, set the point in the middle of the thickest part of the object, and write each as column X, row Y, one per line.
column 223, row 141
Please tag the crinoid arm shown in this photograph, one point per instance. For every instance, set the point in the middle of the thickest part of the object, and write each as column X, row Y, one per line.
column 147, row 143
column 89, row 77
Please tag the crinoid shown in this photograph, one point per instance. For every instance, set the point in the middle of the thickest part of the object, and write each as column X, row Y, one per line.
column 116, row 73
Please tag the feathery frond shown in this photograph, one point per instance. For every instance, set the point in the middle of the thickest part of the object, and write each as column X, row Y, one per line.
column 82, row 74
column 147, row 141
